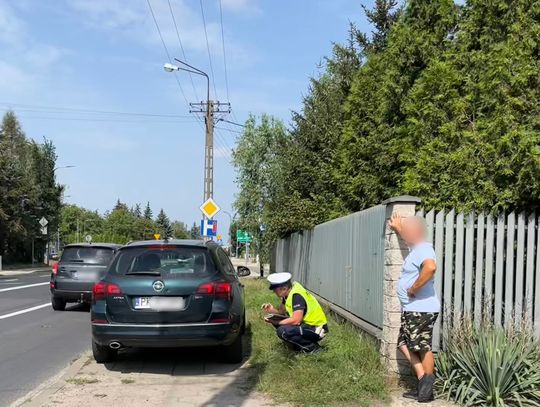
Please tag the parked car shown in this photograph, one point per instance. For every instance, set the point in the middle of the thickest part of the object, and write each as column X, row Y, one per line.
column 175, row 293
column 80, row 266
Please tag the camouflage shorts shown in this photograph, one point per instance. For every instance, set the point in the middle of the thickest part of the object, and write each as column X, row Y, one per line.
column 417, row 330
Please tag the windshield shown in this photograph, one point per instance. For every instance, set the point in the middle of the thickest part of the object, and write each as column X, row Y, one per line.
column 165, row 261
column 92, row 255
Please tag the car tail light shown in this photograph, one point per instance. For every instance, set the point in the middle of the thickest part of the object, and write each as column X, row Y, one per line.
column 102, row 289
column 55, row 268
column 53, row 285
column 100, row 321
column 221, row 290
column 207, row 288
column 113, row 289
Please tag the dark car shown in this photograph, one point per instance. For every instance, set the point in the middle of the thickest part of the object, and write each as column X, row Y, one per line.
column 79, row 268
column 175, row 293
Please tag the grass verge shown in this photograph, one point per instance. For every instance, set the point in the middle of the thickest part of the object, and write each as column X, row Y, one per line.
column 347, row 372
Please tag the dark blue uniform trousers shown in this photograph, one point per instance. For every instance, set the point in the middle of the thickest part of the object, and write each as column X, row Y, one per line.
column 302, row 337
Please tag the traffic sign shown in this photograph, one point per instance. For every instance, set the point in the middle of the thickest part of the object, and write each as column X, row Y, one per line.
column 44, row 230
column 208, row 228
column 43, row 222
column 242, row 236
column 157, row 236
column 209, row 208
column 88, row 238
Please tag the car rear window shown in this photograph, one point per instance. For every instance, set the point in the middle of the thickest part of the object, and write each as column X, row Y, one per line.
column 92, row 255
column 167, row 261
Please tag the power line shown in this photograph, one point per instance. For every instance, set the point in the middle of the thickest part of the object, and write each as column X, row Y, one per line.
column 58, row 109
column 182, row 47
column 229, row 130
column 230, row 122
column 224, row 54
column 208, row 48
column 168, row 54
column 165, row 48
column 87, row 119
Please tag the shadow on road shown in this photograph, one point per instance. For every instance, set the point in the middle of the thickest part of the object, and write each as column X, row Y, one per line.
column 77, row 307
column 177, row 361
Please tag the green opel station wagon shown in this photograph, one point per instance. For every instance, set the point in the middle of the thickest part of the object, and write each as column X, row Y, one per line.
column 169, row 293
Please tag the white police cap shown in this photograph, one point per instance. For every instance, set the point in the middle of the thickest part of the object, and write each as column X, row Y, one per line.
column 278, row 279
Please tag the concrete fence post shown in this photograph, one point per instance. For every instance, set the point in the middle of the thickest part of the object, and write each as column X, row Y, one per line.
column 395, row 252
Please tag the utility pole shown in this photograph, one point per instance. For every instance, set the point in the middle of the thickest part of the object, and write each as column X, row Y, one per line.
column 210, row 108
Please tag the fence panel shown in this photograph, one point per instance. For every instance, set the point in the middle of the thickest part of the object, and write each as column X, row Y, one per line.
column 488, row 266
column 490, row 262
column 469, row 255
column 537, row 283
column 529, row 284
column 499, row 270
column 479, row 268
column 439, row 253
column 520, row 263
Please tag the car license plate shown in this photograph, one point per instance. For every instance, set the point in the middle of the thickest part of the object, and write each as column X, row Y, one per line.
column 159, row 303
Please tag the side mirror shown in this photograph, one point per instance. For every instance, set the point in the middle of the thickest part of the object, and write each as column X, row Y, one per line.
column 243, row 271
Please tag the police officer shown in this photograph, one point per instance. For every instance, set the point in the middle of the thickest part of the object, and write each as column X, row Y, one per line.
column 305, row 323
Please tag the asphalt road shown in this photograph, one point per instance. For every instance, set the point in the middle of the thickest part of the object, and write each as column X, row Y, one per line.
column 35, row 341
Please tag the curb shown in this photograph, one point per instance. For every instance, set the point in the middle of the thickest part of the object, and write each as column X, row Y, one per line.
column 10, row 273
column 38, row 397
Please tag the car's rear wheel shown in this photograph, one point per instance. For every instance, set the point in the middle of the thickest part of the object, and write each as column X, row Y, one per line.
column 234, row 353
column 244, row 324
column 103, row 354
column 58, row 304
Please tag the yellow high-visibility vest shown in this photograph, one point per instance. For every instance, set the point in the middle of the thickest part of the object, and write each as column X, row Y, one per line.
column 315, row 314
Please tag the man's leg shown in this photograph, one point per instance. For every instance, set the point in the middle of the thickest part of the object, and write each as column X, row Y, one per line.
column 415, row 361
column 421, row 328
column 428, row 362
column 299, row 336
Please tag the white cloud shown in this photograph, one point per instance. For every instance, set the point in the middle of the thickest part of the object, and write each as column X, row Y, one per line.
column 12, row 32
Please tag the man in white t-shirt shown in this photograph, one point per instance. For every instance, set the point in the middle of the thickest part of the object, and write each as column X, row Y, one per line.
column 419, row 303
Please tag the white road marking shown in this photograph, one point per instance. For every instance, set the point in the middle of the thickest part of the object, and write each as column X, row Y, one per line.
column 9, row 281
column 20, row 287
column 24, row 311
column 46, row 275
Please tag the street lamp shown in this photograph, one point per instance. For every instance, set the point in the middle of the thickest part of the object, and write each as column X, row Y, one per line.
column 209, row 121
column 65, row 166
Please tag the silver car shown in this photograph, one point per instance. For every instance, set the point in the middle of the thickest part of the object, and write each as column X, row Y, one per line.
column 80, row 266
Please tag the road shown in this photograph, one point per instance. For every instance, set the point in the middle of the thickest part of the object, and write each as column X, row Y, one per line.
column 35, row 341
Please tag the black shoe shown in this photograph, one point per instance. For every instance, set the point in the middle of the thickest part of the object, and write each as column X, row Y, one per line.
column 425, row 388
column 413, row 395
column 312, row 350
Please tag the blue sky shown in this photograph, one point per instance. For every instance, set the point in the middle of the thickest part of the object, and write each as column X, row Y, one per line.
column 106, row 55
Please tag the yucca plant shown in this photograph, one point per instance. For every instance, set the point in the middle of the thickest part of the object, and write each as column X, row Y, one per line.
column 490, row 366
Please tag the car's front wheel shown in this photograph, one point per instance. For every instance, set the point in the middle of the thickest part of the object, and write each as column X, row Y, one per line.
column 103, row 354
column 234, row 353
column 58, row 304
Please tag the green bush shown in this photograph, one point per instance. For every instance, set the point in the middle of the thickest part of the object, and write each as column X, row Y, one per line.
column 487, row 365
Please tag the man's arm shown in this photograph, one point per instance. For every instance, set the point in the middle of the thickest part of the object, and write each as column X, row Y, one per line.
column 427, row 271
column 296, row 319
column 395, row 223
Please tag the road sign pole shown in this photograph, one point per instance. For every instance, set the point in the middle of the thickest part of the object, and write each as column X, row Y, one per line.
column 247, row 253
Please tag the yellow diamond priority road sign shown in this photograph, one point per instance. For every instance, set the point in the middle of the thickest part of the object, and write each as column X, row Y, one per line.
column 209, row 208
